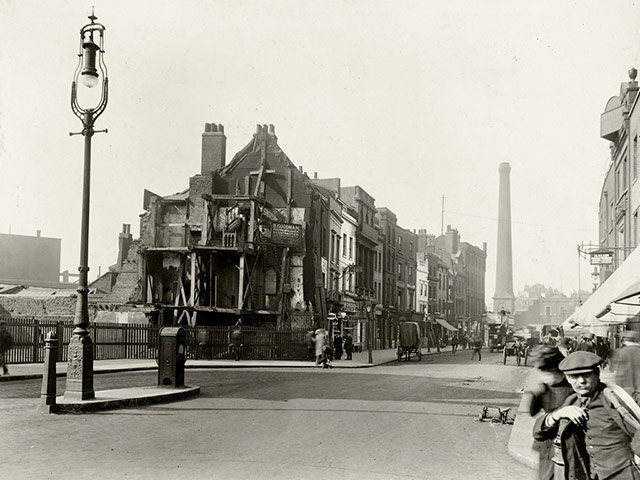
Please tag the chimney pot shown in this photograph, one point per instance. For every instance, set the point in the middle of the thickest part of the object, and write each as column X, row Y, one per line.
column 315, row 174
column 207, row 127
column 258, row 129
column 272, row 129
column 221, row 128
column 214, row 127
column 300, row 168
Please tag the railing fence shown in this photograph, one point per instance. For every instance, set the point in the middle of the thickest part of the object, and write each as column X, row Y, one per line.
column 140, row 341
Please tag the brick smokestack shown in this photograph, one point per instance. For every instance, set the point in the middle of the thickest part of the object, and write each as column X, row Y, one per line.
column 214, row 148
column 504, row 298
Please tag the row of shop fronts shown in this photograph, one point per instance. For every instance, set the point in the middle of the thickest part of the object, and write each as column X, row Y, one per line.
column 358, row 319
column 613, row 307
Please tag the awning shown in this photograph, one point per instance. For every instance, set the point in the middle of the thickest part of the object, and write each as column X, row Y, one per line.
column 611, row 303
column 446, row 324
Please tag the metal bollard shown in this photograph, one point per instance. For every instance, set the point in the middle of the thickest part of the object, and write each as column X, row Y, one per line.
column 48, row 392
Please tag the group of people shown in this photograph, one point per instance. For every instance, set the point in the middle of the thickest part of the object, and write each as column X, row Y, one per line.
column 326, row 349
column 588, row 430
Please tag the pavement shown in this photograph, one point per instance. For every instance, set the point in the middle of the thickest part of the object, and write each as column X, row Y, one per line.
column 520, row 444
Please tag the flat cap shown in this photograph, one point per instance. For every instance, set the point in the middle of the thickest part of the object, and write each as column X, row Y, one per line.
column 631, row 335
column 580, row 362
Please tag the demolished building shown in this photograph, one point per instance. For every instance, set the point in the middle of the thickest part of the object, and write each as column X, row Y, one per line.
column 243, row 242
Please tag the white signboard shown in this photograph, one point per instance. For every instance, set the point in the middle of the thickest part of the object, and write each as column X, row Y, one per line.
column 602, row 258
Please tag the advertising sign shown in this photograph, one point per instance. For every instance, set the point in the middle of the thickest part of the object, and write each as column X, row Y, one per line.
column 601, row 258
column 286, row 234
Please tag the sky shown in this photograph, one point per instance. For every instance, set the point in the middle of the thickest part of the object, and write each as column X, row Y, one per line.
column 412, row 100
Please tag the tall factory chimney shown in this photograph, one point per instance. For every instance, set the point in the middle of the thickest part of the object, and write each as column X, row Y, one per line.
column 504, row 298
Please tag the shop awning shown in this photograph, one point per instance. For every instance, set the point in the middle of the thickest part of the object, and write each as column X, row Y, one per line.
column 613, row 302
column 446, row 324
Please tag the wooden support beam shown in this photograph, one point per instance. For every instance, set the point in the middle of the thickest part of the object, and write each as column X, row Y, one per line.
column 241, row 280
column 192, row 296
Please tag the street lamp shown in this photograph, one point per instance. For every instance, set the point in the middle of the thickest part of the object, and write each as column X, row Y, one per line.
column 91, row 69
column 370, row 334
column 595, row 278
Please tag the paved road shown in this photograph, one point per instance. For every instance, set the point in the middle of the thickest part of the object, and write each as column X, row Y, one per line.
column 397, row 421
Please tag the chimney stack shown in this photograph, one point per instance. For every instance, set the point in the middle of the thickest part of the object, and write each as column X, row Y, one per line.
column 214, row 148
column 124, row 243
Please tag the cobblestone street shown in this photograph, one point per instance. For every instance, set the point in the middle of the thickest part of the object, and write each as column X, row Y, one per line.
column 402, row 420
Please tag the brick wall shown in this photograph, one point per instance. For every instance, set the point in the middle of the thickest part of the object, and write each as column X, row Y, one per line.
column 38, row 306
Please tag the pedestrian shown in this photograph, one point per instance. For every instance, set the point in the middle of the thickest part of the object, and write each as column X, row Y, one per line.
column 477, row 348
column 603, row 350
column 547, row 388
column 320, row 341
column 594, row 430
column 565, row 345
column 337, row 346
column 587, row 344
column 5, row 345
column 348, row 346
column 236, row 341
column 310, row 340
column 626, row 363
column 454, row 344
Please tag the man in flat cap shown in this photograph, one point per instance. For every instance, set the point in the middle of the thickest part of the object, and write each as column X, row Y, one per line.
column 627, row 363
column 594, row 433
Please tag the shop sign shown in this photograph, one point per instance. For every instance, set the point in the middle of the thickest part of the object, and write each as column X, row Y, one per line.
column 285, row 234
column 601, row 258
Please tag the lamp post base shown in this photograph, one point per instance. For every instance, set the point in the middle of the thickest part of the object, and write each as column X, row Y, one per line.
column 80, row 367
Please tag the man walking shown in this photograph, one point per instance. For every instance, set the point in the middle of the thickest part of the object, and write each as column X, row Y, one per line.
column 5, row 345
column 454, row 344
column 477, row 348
column 627, row 364
column 348, row 346
column 595, row 432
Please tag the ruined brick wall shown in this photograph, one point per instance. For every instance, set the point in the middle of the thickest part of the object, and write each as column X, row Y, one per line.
column 127, row 284
column 38, row 307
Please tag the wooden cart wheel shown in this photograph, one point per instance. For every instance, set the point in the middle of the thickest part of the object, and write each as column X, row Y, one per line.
column 504, row 355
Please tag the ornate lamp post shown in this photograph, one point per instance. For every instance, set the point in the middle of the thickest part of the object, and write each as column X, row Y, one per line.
column 91, row 70
column 370, row 334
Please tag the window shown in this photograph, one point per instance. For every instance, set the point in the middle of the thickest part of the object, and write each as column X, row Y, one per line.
column 350, row 247
column 270, row 283
column 634, row 160
column 624, row 173
column 400, row 271
column 410, row 248
column 344, row 245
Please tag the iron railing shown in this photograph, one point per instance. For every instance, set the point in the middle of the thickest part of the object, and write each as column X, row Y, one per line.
column 140, row 341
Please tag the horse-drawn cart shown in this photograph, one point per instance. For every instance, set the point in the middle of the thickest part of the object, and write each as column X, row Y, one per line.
column 409, row 341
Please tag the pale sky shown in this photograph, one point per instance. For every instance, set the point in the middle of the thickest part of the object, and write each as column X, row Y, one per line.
column 412, row 100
